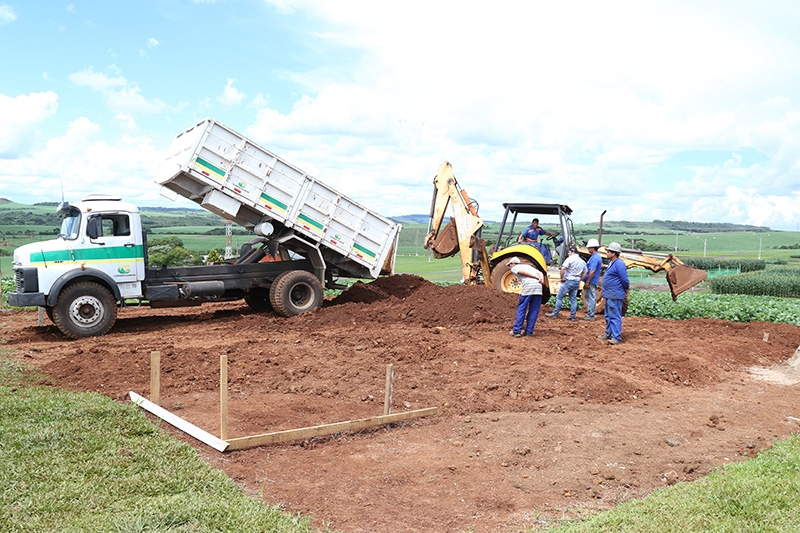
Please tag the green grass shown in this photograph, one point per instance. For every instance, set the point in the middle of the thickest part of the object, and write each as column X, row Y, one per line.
column 758, row 495
column 78, row 462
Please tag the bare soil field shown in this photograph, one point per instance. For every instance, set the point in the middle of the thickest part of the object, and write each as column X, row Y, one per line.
column 528, row 430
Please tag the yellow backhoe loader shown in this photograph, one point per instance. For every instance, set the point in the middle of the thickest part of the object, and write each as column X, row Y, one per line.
column 462, row 235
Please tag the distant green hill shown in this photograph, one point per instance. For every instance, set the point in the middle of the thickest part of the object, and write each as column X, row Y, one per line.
column 654, row 227
column 44, row 214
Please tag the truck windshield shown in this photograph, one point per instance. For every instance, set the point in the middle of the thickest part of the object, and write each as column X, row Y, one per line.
column 71, row 223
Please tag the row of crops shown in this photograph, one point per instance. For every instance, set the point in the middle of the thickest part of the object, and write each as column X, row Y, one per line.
column 731, row 307
column 780, row 281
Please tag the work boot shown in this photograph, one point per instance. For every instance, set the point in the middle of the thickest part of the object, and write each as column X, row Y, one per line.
column 551, row 315
column 613, row 341
column 572, row 319
column 603, row 337
column 590, row 318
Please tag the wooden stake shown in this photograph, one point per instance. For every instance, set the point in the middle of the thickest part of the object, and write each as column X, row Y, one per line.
column 223, row 397
column 155, row 377
column 326, row 429
column 387, row 396
column 41, row 317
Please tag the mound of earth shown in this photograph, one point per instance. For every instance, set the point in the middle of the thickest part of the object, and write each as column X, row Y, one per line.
column 528, row 430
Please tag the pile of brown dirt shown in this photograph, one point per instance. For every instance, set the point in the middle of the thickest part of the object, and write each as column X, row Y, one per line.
column 527, row 430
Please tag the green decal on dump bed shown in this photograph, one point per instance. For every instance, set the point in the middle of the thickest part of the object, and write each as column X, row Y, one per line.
column 208, row 169
column 309, row 223
column 272, row 203
column 361, row 251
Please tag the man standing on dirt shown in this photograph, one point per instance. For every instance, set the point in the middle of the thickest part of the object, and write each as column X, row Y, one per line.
column 593, row 267
column 572, row 270
column 615, row 288
column 530, row 298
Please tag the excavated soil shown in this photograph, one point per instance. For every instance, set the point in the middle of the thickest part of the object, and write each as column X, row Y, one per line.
column 528, row 430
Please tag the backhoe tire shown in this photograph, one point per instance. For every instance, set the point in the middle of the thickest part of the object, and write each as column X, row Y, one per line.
column 85, row 309
column 258, row 300
column 294, row 292
column 504, row 280
column 49, row 311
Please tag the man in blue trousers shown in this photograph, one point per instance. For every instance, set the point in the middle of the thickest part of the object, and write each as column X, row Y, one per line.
column 615, row 288
column 530, row 298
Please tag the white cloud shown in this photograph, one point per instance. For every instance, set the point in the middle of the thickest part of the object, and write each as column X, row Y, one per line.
column 21, row 116
column 7, row 14
column 126, row 100
column 231, row 96
column 130, row 100
column 97, row 81
column 152, row 43
column 583, row 103
column 82, row 163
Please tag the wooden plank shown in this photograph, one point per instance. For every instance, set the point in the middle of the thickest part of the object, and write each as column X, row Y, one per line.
column 178, row 422
column 326, row 429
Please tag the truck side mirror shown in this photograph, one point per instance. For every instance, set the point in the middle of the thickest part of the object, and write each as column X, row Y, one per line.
column 92, row 229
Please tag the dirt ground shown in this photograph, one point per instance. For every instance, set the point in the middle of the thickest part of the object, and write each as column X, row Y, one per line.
column 528, row 430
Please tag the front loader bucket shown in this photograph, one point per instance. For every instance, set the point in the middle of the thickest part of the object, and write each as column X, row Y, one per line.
column 681, row 278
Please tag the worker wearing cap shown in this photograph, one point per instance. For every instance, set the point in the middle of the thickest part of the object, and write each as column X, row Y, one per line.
column 592, row 278
column 572, row 270
column 615, row 288
column 530, row 297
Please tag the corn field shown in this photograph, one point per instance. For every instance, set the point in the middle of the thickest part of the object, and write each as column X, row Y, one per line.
column 782, row 281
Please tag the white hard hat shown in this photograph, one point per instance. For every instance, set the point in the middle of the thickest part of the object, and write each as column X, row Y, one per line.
column 592, row 243
column 514, row 260
column 615, row 247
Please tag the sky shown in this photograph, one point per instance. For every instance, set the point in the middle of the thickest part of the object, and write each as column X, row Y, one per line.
column 680, row 110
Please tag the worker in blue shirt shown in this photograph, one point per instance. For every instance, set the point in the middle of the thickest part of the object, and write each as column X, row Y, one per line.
column 531, row 236
column 616, row 288
column 592, row 278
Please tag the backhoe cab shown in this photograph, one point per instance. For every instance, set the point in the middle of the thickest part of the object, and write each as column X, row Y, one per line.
column 462, row 234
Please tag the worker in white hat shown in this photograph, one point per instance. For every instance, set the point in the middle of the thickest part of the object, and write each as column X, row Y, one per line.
column 616, row 288
column 592, row 278
column 530, row 297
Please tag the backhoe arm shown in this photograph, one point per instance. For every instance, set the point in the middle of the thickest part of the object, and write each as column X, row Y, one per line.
column 680, row 276
column 459, row 233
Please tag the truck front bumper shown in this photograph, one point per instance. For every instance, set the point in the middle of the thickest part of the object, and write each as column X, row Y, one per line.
column 26, row 299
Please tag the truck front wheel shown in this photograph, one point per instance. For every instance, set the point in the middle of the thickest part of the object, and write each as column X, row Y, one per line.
column 85, row 309
column 295, row 292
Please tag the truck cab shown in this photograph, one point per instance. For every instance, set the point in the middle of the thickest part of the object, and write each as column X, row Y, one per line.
column 99, row 248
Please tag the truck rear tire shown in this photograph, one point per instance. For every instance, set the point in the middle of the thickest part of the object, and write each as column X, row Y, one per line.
column 85, row 309
column 294, row 292
column 258, row 300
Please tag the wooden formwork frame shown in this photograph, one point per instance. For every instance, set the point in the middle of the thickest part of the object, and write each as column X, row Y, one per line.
column 223, row 443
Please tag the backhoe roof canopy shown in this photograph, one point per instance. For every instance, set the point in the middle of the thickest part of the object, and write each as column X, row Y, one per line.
column 538, row 209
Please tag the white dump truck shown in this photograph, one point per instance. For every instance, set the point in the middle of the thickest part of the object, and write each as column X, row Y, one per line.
column 306, row 236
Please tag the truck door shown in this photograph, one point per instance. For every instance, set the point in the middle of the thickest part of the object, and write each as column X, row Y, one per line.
column 116, row 249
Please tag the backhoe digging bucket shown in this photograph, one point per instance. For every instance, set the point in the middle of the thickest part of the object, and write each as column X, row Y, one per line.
column 446, row 244
column 681, row 278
